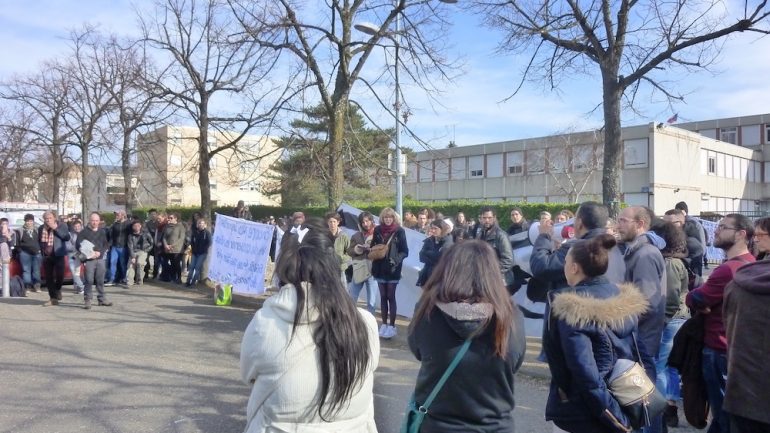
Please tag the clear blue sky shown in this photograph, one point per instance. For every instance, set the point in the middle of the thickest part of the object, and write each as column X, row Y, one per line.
column 474, row 111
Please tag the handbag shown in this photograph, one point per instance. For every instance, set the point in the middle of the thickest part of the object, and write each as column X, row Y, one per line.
column 415, row 414
column 636, row 394
column 362, row 270
column 379, row 251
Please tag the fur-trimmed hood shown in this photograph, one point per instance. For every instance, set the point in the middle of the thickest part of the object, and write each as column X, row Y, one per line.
column 591, row 305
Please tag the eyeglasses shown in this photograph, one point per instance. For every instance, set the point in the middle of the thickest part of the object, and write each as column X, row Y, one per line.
column 760, row 235
column 724, row 227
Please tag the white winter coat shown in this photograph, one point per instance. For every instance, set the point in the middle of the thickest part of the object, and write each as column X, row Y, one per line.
column 286, row 379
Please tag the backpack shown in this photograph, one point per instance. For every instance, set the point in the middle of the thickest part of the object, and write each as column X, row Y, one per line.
column 17, row 287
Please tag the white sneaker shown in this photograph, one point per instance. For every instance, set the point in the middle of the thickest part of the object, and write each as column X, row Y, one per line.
column 393, row 332
column 383, row 330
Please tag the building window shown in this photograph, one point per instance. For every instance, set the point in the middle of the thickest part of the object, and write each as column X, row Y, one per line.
column 214, row 203
column 583, row 158
column 635, row 153
column 458, row 168
column 515, row 163
column 767, row 134
column 536, row 161
column 176, row 200
column 212, row 184
column 175, row 161
column 476, row 166
column 175, row 183
column 729, row 135
column 213, row 162
column 712, row 164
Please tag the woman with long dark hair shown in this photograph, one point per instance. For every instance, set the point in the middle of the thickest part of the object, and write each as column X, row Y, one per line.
column 465, row 298
column 387, row 270
column 309, row 353
column 438, row 241
column 588, row 329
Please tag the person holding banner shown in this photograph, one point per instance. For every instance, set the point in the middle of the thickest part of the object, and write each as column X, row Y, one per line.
column 387, row 269
column 309, row 353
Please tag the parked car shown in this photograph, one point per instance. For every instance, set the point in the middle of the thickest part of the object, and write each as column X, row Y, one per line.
column 15, row 269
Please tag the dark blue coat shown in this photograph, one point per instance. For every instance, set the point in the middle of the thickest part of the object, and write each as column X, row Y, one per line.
column 431, row 252
column 590, row 327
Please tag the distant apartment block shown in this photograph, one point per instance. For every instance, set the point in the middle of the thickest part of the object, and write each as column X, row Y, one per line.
column 167, row 168
column 715, row 166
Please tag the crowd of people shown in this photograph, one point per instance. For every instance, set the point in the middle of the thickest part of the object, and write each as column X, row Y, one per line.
column 614, row 290
column 126, row 252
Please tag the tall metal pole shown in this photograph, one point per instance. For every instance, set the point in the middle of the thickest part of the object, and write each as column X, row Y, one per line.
column 399, row 183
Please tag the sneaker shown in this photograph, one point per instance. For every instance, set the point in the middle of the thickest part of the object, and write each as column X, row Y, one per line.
column 109, row 283
column 105, row 304
column 87, row 305
column 36, row 288
column 51, row 302
column 81, row 291
column 383, row 329
column 393, row 332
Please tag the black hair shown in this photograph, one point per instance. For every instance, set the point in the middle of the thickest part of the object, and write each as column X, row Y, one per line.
column 364, row 216
column 676, row 240
column 593, row 254
column 763, row 223
column 486, row 209
column 742, row 222
column 682, row 206
column 340, row 332
column 593, row 215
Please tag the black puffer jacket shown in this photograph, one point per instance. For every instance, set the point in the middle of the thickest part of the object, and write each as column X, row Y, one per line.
column 478, row 396
column 431, row 252
column 389, row 267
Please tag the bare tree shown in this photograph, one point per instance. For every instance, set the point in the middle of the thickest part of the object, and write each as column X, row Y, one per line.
column 42, row 100
column 208, row 65
column 89, row 100
column 331, row 56
column 632, row 44
column 137, row 103
column 16, row 157
column 573, row 162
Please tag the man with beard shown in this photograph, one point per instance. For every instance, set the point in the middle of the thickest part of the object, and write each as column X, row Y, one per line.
column 496, row 237
column 732, row 235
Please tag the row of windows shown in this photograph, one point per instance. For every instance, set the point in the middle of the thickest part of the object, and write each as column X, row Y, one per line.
column 578, row 158
column 746, row 135
column 730, row 167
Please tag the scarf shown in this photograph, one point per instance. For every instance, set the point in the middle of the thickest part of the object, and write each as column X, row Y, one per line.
column 46, row 240
column 386, row 231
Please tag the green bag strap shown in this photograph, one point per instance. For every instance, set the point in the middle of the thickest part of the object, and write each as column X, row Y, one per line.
column 460, row 353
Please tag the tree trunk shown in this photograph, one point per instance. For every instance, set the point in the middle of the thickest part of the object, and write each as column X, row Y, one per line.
column 336, row 136
column 204, row 160
column 58, row 162
column 84, row 183
column 125, row 164
column 613, row 148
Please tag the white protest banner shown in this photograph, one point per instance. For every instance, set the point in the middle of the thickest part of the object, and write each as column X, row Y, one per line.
column 713, row 254
column 239, row 254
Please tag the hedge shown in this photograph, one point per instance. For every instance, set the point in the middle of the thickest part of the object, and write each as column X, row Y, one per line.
column 449, row 209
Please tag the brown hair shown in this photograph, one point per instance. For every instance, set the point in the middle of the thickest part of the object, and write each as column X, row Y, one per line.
column 469, row 272
column 592, row 255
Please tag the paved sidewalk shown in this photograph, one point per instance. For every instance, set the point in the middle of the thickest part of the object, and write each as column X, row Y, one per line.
column 165, row 359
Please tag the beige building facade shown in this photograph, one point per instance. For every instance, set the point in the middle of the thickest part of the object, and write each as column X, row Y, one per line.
column 167, row 168
column 714, row 166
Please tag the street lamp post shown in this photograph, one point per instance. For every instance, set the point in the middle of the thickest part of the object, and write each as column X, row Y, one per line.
column 371, row 29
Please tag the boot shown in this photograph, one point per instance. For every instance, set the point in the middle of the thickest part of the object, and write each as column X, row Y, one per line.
column 670, row 416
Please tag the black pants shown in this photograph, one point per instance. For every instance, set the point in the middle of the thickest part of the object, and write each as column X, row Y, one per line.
column 739, row 424
column 54, row 275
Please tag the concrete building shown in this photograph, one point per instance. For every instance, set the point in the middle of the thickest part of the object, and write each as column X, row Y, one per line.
column 167, row 168
column 715, row 166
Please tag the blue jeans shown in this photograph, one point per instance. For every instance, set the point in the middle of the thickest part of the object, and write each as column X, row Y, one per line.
column 117, row 264
column 371, row 292
column 77, row 280
column 668, row 378
column 30, row 265
column 196, row 268
column 715, row 375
